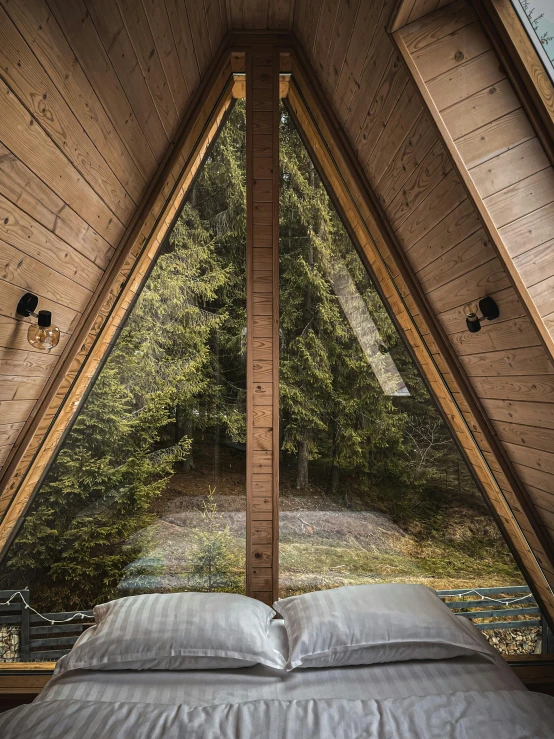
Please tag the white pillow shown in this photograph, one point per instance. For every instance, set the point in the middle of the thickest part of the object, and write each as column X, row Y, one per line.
column 369, row 624
column 176, row 631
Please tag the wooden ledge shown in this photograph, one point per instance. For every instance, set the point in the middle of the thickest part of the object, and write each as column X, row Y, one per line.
column 536, row 671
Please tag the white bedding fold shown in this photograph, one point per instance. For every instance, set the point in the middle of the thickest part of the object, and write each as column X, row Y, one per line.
column 464, row 715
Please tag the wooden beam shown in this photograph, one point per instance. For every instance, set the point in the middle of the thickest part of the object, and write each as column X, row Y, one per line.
column 112, row 300
column 422, row 332
column 262, row 289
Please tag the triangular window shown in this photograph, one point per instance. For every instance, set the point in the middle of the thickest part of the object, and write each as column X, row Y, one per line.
column 147, row 492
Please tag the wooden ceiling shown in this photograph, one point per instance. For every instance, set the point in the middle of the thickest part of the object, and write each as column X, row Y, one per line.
column 94, row 94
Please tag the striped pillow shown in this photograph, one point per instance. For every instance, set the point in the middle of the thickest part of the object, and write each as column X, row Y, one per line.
column 369, row 624
column 176, row 631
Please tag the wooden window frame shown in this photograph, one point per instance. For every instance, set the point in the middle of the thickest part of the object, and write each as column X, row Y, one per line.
column 98, row 329
column 363, row 216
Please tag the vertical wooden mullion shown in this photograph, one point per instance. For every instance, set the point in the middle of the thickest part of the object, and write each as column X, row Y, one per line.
column 276, row 334
column 262, row 403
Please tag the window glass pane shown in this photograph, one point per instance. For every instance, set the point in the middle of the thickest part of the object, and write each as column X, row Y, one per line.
column 148, row 490
column 373, row 487
column 537, row 16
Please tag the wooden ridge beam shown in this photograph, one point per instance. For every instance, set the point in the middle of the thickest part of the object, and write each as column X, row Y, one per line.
column 262, row 291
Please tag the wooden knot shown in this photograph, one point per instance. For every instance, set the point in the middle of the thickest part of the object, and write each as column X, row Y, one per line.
column 459, row 56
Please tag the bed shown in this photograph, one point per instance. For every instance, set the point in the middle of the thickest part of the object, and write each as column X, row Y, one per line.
column 468, row 696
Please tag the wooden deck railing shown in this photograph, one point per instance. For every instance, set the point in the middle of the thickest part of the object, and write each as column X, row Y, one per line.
column 37, row 639
column 486, row 607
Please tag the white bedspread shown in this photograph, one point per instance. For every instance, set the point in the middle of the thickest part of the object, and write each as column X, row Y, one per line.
column 210, row 687
column 464, row 715
column 462, row 698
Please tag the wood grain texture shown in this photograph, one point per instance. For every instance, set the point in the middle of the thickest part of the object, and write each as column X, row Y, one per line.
column 510, row 170
column 509, row 176
column 128, row 112
column 462, row 224
column 92, row 97
column 521, row 50
column 262, row 355
column 109, row 304
column 48, row 37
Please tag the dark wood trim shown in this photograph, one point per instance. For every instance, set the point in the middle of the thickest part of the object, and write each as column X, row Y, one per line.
column 536, row 671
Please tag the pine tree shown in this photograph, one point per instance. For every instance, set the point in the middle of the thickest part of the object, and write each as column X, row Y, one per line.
column 334, row 411
column 176, row 375
column 213, row 565
column 80, row 533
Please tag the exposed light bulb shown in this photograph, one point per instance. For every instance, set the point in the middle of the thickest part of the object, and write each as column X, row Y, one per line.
column 471, row 310
column 472, row 320
column 44, row 336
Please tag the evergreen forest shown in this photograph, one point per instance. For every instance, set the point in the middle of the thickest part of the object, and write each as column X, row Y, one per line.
column 148, row 489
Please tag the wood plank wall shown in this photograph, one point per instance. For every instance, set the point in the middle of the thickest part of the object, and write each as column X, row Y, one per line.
column 376, row 102
column 78, row 152
column 511, row 370
column 122, row 283
column 260, row 14
column 92, row 93
column 507, row 163
column 262, row 265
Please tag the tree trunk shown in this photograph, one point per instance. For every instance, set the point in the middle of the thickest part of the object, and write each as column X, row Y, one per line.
column 335, row 469
column 335, row 474
column 187, row 429
column 302, row 479
column 302, row 474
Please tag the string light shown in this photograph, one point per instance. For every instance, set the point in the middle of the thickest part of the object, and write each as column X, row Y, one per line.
column 486, row 597
column 52, row 621
column 82, row 616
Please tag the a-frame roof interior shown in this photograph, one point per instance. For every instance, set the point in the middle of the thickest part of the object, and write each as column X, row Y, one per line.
column 433, row 134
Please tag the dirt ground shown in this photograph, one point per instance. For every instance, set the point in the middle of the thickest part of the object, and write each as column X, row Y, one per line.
column 324, row 541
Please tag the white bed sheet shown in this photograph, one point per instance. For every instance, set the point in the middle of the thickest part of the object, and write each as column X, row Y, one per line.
column 212, row 687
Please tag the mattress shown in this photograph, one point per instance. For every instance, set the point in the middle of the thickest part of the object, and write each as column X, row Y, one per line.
column 212, row 687
column 447, row 699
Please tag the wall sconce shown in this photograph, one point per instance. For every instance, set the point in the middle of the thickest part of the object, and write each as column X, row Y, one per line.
column 41, row 335
column 488, row 309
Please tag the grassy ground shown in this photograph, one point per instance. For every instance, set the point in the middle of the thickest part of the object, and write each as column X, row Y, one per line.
column 440, row 536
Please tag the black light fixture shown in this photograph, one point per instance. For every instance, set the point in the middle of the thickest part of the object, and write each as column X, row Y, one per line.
column 486, row 306
column 41, row 335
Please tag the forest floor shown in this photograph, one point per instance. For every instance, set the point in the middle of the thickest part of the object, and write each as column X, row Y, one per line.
column 443, row 538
